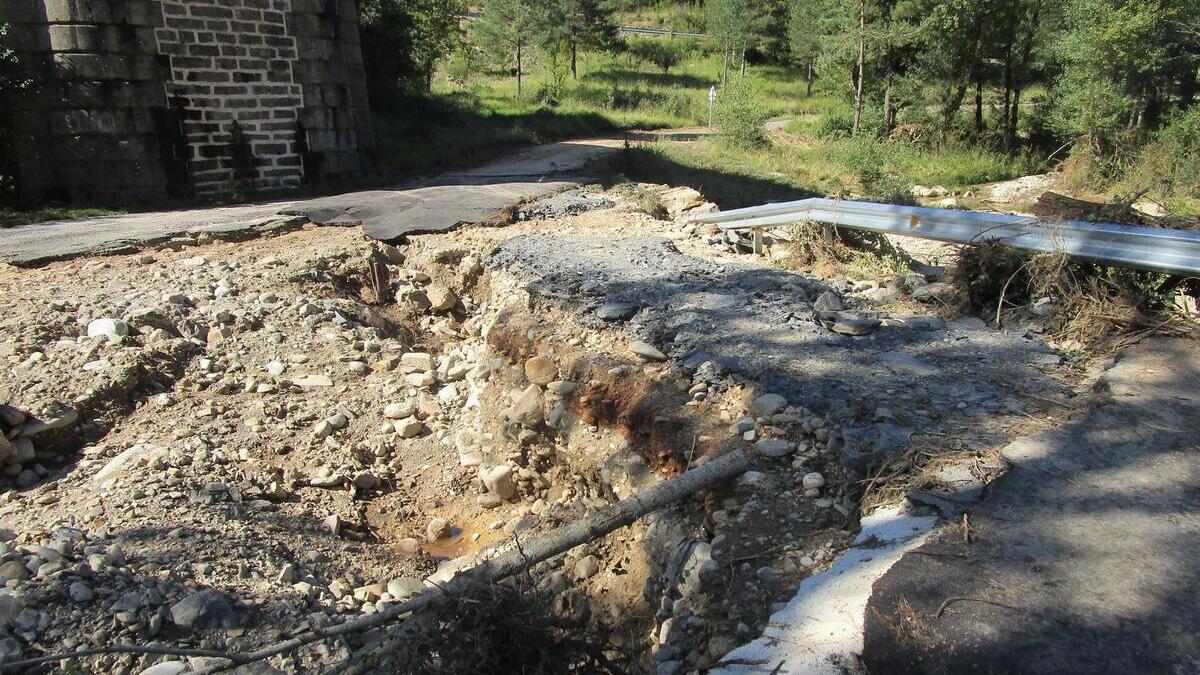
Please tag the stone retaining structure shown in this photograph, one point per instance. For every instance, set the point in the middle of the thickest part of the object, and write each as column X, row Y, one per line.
column 145, row 100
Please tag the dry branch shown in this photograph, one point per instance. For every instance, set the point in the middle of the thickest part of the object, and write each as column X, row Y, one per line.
column 500, row 567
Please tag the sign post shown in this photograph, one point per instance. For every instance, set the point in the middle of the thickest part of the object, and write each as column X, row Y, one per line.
column 712, row 98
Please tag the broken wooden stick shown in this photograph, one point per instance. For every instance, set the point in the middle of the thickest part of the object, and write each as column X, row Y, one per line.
column 504, row 565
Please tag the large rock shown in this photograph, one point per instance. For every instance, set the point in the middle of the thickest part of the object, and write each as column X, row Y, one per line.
column 768, row 404
column 541, row 370
column 680, row 200
column 113, row 329
column 829, row 302
column 499, row 481
column 528, row 408
column 617, row 311
column 774, row 447
column 203, row 609
column 441, row 298
column 646, row 351
column 6, row 448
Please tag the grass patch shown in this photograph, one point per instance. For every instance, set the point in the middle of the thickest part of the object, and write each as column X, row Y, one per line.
column 15, row 218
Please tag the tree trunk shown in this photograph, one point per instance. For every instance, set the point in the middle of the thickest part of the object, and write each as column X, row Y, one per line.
column 518, row 71
column 742, row 74
column 978, row 104
column 725, row 68
column 862, row 63
column 951, row 109
column 574, row 70
column 889, row 105
column 808, row 91
column 1013, row 117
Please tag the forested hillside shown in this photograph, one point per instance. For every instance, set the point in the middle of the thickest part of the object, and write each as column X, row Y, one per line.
column 1105, row 89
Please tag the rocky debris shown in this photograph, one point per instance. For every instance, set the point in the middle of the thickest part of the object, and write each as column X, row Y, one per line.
column 565, row 204
column 307, row 462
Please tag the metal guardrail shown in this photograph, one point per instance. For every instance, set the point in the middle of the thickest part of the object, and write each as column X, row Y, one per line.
column 1160, row 250
column 624, row 29
column 658, row 31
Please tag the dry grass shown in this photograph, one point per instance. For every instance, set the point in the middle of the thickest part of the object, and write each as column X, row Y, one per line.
column 863, row 254
column 1092, row 306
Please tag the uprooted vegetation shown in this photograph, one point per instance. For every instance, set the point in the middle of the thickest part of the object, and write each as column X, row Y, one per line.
column 1085, row 303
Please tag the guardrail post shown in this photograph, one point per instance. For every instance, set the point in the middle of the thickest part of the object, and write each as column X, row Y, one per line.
column 827, row 230
column 758, row 240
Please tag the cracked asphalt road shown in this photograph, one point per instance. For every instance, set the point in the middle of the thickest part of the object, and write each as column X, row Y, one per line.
column 428, row 205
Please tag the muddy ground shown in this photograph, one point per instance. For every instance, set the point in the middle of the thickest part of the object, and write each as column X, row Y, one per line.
column 223, row 444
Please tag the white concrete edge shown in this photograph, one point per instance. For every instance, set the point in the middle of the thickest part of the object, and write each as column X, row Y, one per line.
column 822, row 626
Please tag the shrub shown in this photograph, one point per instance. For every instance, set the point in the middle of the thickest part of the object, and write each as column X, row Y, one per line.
column 1172, row 159
column 739, row 117
column 664, row 54
column 835, row 124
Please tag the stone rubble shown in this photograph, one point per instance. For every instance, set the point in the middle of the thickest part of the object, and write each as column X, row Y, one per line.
column 226, row 445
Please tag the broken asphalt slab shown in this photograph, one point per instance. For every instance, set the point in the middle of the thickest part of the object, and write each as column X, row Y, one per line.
column 1083, row 557
column 432, row 205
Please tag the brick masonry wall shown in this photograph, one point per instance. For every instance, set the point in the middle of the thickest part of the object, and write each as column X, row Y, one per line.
column 231, row 74
column 180, row 98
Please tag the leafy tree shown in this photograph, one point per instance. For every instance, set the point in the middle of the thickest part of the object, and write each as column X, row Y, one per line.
column 1123, row 64
column 951, row 40
column 807, row 22
column 403, row 40
column 734, row 24
column 577, row 24
column 15, row 82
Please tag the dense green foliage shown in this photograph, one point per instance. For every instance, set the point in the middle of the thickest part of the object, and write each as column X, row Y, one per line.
column 1107, row 77
column 402, row 42
column 14, row 82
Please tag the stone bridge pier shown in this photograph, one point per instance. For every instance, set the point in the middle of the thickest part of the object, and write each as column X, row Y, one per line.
column 144, row 101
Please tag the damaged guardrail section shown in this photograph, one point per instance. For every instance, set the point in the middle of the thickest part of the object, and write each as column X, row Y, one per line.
column 1160, row 250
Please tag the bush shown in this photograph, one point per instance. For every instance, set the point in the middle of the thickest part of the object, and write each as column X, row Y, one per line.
column 739, row 117
column 1172, row 159
column 836, row 124
column 664, row 54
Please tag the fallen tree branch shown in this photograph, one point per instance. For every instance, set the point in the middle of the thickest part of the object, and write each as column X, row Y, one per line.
column 504, row 565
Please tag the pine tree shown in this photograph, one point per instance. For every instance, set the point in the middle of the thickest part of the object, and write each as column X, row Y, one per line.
column 507, row 29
